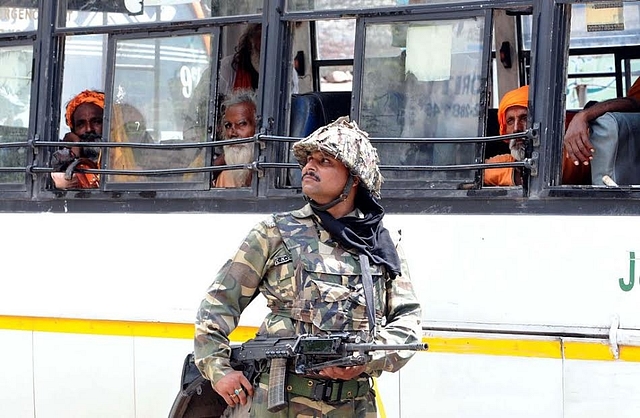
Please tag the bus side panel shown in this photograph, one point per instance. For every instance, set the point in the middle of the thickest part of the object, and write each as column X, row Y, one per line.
column 158, row 370
column 85, row 375
column 388, row 393
column 601, row 388
column 470, row 385
column 525, row 270
column 16, row 369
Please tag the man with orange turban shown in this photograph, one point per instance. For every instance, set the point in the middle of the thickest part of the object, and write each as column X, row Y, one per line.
column 512, row 117
column 84, row 117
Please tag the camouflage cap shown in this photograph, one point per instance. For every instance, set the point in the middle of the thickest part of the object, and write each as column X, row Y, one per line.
column 348, row 144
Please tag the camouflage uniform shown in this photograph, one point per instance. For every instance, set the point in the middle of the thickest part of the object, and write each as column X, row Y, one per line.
column 313, row 286
column 322, row 293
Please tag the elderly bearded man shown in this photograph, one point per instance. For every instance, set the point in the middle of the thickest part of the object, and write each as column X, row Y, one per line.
column 238, row 121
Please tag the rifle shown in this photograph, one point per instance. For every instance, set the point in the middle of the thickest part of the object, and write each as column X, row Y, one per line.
column 310, row 354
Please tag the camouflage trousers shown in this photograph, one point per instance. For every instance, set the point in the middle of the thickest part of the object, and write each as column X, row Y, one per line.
column 301, row 407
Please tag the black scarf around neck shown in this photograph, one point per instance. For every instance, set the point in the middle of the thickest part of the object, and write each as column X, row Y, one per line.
column 365, row 234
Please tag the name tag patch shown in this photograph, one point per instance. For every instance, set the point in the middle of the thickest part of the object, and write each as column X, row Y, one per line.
column 281, row 259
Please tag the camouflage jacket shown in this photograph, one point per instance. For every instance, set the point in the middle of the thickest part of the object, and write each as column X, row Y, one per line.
column 312, row 285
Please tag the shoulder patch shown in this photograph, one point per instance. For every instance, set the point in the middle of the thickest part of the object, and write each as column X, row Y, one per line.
column 281, row 259
column 270, row 222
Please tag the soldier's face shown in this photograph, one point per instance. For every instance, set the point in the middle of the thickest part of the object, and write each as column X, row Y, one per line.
column 323, row 177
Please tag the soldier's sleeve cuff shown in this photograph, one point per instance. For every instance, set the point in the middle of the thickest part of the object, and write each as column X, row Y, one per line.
column 216, row 370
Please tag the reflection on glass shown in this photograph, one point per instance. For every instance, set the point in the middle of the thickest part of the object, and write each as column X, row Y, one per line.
column 15, row 98
column 308, row 5
column 410, row 93
column 336, row 78
column 84, row 68
column 582, row 89
column 18, row 15
column 335, row 39
column 125, row 12
column 585, row 34
column 154, row 88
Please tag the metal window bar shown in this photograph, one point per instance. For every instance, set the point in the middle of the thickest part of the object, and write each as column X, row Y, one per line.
column 257, row 165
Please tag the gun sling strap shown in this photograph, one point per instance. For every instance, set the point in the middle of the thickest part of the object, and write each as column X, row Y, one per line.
column 367, row 283
column 324, row 390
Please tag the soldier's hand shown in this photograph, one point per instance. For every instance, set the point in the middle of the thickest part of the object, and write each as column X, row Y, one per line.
column 344, row 373
column 234, row 388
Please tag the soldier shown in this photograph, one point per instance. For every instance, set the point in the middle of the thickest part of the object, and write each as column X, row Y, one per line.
column 329, row 266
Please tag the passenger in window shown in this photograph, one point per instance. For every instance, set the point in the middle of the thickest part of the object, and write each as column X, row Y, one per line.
column 512, row 118
column 604, row 136
column 129, row 125
column 310, row 265
column 238, row 121
column 241, row 70
column 84, row 114
column 238, row 71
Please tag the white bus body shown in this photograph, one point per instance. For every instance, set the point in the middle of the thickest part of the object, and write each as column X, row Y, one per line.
column 507, row 337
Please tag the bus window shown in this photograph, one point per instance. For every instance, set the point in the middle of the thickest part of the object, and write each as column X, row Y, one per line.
column 122, row 12
column 15, row 101
column 603, row 63
column 317, row 5
column 18, row 15
column 157, row 77
column 592, row 72
column 84, row 68
column 407, row 93
column 335, row 55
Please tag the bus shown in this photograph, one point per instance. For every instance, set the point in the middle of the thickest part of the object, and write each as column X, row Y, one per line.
column 529, row 293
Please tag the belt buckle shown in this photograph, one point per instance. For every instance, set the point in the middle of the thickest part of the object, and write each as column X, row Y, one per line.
column 333, row 391
column 319, row 390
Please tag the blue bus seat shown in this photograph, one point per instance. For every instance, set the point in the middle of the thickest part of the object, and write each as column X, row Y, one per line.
column 310, row 111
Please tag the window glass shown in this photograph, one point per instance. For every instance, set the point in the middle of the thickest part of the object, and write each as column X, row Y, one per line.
column 335, row 41
column 336, row 78
column 84, row 68
column 121, row 12
column 592, row 76
column 307, row 5
column 18, row 15
column 603, row 65
column 238, row 78
column 604, row 24
column 407, row 93
column 154, row 94
column 15, row 99
column 600, row 84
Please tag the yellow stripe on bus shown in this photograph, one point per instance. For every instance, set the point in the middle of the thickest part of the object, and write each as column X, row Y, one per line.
column 112, row 328
column 499, row 347
column 573, row 350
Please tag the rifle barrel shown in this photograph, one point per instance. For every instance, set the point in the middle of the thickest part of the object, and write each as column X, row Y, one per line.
column 379, row 347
